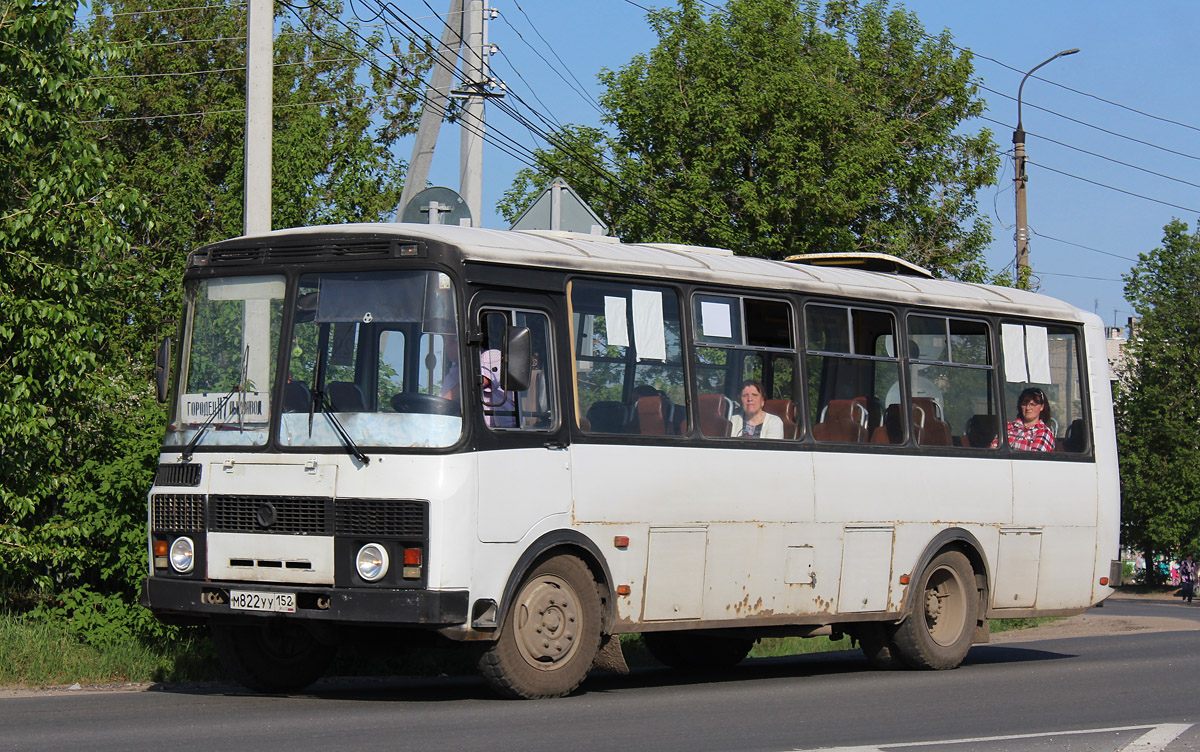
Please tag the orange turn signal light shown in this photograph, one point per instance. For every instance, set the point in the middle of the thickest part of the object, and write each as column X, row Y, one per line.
column 412, row 557
column 623, row 590
column 905, row 579
column 1103, row 580
column 160, row 548
column 621, row 541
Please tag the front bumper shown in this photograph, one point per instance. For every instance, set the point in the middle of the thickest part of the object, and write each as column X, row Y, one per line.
column 184, row 601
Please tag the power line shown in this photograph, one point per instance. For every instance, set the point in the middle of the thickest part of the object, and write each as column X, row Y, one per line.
column 1080, row 245
column 582, row 88
column 201, row 112
column 1114, row 188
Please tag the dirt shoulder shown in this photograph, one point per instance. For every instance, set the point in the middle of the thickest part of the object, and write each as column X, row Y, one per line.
column 1097, row 622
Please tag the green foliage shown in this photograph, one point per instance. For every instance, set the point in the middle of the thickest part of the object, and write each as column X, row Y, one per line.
column 103, row 188
column 777, row 127
column 1158, row 399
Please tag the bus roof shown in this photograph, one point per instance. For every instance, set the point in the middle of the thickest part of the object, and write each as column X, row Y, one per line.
column 595, row 253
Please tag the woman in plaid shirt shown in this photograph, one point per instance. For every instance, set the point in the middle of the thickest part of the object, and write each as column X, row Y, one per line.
column 1029, row 431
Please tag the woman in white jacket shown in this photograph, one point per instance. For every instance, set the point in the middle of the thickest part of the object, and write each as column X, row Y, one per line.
column 755, row 422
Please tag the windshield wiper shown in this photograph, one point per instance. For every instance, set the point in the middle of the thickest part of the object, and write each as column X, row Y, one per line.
column 191, row 445
column 320, row 403
column 340, row 430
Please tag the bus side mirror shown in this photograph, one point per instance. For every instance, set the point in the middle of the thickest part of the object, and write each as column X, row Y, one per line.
column 518, row 361
column 162, row 369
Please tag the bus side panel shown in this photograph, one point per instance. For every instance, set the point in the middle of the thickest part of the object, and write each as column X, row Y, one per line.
column 1104, row 434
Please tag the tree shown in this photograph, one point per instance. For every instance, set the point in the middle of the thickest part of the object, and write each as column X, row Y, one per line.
column 67, row 283
column 777, row 127
column 1158, row 398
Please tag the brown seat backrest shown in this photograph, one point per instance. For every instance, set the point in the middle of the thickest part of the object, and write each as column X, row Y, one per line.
column 650, row 416
column 785, row 410
column 844, row 420
column 892, row 430
column 932, row 430
column 714, row 411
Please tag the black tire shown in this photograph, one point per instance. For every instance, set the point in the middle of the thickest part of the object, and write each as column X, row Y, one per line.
column 688, row 651
column 274, row 656
column 550, row 634
column 941, row 624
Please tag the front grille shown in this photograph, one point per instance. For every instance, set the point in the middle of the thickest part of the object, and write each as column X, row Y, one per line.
column 392, row 517
column 177, row 475
column 181, row 513
column 283, row 515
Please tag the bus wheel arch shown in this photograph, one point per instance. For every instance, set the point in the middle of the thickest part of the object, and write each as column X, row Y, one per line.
column 565, row 543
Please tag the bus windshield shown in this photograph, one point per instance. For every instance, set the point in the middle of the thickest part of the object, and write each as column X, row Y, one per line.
column 229, row 360
column 375, row 353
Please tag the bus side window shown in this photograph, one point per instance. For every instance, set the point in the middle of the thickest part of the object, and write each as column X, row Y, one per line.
column 850, row 367
column 529, row 409
column 628, row 359
column 951, row 379
column 1045, row 358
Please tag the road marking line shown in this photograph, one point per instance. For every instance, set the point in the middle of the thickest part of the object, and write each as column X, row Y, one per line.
column 1156, row 738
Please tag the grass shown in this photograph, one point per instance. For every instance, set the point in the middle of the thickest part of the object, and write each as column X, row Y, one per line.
column 38, row 654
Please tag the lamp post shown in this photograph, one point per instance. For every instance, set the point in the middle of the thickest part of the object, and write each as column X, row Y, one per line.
column 1019, row 180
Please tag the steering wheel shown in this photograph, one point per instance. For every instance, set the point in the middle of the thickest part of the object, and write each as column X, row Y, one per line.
column 428, row 404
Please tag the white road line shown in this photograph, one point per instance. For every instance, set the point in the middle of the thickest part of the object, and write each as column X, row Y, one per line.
column 1157, row 738
column 1154, row 740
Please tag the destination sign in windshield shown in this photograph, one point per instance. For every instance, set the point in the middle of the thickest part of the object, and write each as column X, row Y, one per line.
column 242, row 407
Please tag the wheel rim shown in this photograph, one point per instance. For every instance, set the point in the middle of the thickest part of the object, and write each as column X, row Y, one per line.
column 547, row 622
column 945, row 606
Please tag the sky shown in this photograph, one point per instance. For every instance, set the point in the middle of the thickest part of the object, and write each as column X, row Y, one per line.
column 1086, row 233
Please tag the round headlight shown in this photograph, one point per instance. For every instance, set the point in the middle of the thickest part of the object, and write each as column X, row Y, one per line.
column 183, row 555
column 372, row 562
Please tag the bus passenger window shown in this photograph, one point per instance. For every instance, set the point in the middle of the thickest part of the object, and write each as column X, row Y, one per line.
column 744, row 356
column 1042, row 365
column 628, row 359
column 850, row 368
column 950, row 382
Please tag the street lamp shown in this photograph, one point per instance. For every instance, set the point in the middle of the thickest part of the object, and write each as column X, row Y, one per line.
column 1019, row 180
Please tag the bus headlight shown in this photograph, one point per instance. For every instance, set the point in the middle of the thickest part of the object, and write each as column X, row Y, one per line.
column 183, row 555
column 372, row 562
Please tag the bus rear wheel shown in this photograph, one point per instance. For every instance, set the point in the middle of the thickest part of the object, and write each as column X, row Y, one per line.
column 550, row 635
column 274, row 656
column 938, row 632
column 689, row 651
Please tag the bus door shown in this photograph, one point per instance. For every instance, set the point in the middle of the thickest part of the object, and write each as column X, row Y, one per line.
column 524, row 465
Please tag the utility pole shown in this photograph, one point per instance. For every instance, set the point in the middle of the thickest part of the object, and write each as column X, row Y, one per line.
column 465, row 35
column 1020, row 178
column 256, row 199
column 434, row 110
column 256, row 204
column 470, row 166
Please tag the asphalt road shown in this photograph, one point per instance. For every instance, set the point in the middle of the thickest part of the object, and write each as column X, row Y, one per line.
column 1118, row 692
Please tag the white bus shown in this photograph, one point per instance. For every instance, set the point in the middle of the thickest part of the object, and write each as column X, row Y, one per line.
column 530, row 443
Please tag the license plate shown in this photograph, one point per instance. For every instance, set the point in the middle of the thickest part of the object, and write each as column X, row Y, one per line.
column 252, row 600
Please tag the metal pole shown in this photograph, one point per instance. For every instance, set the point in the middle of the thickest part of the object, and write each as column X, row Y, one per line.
column 1020, row 178
column 260, row 20
column 434, row 109
column 470, row 170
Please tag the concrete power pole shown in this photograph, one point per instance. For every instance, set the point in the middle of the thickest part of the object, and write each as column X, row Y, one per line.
column 260, row 23
column 434, row 110
column 1020, row 178
column 256, row 201
column 470, row 167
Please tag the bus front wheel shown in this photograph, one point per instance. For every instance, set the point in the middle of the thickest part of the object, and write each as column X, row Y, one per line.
column 938, row 632
column 273, row 656
column 550, row 635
